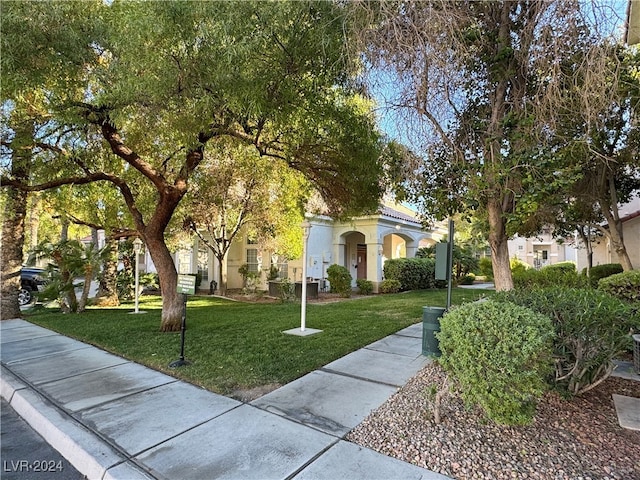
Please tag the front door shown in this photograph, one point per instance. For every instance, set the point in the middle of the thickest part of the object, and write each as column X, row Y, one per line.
column 362, row 261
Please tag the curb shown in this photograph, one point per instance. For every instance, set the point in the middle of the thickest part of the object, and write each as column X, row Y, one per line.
column 88, row 453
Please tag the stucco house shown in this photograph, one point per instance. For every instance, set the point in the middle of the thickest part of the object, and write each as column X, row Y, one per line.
column 543, row 249
column 546, row 249
column 362, row 245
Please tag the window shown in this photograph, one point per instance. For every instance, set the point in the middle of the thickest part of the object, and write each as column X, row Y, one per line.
column 252, row 260
column 203, row 263
column 282, row 264
column 184, row 262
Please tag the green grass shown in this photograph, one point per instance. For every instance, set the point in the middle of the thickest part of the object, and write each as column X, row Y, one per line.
column 235, row 345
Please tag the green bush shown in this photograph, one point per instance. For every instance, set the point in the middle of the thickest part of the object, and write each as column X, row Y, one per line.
column 339, row 280
column 625, row 285
column 412, row 273
column 591, row 327
column 517, row 266
column 565, row 267
column 602, row 271
column 485, row 268
column 559, row 274
column 500, row 354
column 390, row 286
column 286, row 290
column 365, row 286
column 468, row 279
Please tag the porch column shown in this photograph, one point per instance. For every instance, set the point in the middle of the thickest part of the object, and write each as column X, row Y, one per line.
column 338, row 255
column 411, row 248
column 374, row 264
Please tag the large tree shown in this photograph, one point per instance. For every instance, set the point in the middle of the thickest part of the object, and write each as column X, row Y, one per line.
column 236, row 191
column 171, row 78
column 603, row 144
column 479, row 80
column 593, row 148
column 28, row 33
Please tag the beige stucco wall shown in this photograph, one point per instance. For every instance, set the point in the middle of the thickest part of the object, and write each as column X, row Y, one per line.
column 602, row 252
column 530, row 250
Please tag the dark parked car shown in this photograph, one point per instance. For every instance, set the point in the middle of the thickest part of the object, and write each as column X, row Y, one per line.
column 33, row 280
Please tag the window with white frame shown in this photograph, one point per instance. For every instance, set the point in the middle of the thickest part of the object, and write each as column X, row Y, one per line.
column 203, row 263
column 253, row 264
column 282, row 264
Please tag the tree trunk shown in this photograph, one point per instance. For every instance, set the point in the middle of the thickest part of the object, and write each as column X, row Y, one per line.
column 35, row 211
column 11, row 252
column 168, row 276
column 88, row 278
column 15, row 211
column 64, row 230
column 586, row 240
column 617, row 240
column 222, row 270
column 107, row 288
column 499, row 248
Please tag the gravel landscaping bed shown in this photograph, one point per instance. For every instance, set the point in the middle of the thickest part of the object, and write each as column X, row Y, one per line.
column 577, row 439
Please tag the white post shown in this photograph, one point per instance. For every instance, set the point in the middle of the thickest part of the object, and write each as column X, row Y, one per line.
column 137, row 247
column 306, row 226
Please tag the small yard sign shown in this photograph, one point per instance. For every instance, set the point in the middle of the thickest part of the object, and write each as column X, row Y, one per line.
column 187, row 284
column 443, row 271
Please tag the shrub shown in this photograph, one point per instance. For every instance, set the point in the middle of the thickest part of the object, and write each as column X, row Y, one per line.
column 339, row 279
column 517, row 266
column 625, row 285
column 249, row 278
column 468, row 279
column 412, row 273
column 390, row 286
column 602, row 271
column 273, row 273
column 591, row 330
column 564, row 267
column 500, row 354
column 286, row 290
column 365, row 286
column 559, row 274
column 485, row 268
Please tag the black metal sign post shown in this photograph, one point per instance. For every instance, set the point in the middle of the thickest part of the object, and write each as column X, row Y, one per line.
column 186, row 285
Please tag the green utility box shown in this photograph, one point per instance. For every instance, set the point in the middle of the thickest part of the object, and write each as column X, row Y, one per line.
column 431, row 325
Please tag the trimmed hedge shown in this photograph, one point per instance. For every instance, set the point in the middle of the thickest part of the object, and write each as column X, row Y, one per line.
column 364, row 286
column 559, row 274
column 339, row 280
column 389, row 286
column 602, row 271
column 500, row 354
column 412, row 273
column 625, row 285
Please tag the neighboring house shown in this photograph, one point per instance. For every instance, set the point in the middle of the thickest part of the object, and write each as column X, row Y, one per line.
column 602, row 252
column 362, row 245
column 632, row 33
column 542, row 250
column 546, row 249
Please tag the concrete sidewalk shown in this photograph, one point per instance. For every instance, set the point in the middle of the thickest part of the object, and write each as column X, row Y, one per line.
column 115, row 419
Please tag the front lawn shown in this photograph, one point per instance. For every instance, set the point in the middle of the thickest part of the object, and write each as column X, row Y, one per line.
column 233, row 345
